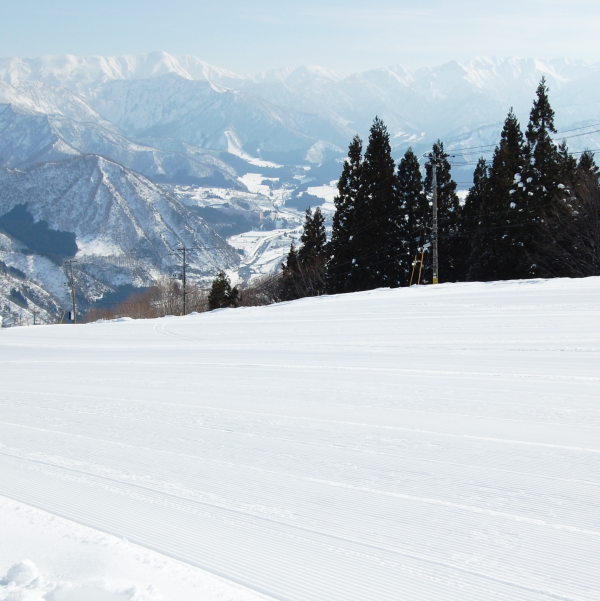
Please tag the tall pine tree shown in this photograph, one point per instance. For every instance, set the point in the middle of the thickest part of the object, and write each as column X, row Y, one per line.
column 543, row 177
column 471, row 218
column 340, row 249
column 587, row 165
column 313, row 238
column 377, row 231
column 498, row 251
column 303, row 273
column 221, row 294
column 414, row 210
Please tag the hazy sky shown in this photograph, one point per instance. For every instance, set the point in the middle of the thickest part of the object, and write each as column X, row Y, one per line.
column 253, row 35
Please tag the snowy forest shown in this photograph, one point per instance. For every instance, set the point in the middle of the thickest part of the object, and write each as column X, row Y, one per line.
column 533, row 211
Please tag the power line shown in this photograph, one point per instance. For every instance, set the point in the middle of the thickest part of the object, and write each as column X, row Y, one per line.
column 461, row 150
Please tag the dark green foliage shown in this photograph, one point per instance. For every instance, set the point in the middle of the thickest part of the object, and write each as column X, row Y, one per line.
column 587, row 165
column 290, row 285
column 498, row 252
column 569, row 237
column 37, row 236
column 567, row 166
column 377, row 242
column 451, row 256
column 303, row 273
column 414, row 211
column 542, row 149
column 543, row 177
column 472, row 218
column 471, row 211
column 222, row 295
column 340, row 248
column 534, row 211
column 314, row 238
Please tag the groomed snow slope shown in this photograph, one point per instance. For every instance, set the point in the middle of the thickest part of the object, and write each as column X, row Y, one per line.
column 435, row 443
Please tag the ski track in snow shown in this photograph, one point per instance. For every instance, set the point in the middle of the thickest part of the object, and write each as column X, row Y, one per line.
column 416, row 444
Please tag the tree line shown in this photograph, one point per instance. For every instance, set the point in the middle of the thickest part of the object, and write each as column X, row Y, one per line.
column 533, row 211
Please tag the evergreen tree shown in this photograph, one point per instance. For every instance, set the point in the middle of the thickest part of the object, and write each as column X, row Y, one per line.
column 414, row 210
column 543, row 151
column 221, row 294
column 497, row 250
column 313, row 238
column 450, row 266
column 587, row 165
column 340, row 248
column 569, row 237
column 290, row 275
column 471, row 218
column 377, row 231
column 303, row 274
column 567, row 168
column 543, row 176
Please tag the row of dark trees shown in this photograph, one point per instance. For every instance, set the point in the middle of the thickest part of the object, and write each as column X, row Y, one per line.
column 534, row 211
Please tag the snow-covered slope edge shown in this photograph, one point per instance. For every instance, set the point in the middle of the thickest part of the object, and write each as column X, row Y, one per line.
column 82, row 564
column 435, row 442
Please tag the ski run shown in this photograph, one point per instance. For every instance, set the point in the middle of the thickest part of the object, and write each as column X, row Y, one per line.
column 434, row 443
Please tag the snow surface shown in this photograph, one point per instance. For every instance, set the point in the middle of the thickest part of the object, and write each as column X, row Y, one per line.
column 435, row 443
column 82, row 564
column 264, row 251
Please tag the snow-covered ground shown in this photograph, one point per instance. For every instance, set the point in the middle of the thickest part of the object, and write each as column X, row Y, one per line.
column 77, row 563
column 434, row 443
column 264, row 251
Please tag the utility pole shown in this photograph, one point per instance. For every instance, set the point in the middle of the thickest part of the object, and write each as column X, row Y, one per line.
column 71, row 285
column 183, row 250
column 434, row 232
column 183, row 278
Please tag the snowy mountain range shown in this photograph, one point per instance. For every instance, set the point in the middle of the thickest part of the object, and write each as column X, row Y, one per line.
column 444, row 101
column 87, row 144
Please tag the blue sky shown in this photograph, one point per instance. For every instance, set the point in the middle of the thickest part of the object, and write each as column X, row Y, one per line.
column 250, row 36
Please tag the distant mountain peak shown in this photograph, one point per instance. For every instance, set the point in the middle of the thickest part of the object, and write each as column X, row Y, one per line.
column 82, row 74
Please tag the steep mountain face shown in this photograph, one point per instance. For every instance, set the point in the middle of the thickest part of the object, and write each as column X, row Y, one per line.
column 211, row 116
column 41, row 123
column 38, row 97
column 27, row 137
column 125, row 226
column 22, row 298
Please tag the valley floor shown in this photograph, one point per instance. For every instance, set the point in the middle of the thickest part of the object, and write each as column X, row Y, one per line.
column 439, row 442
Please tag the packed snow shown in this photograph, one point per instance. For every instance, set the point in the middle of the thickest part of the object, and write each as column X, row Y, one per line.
column 83, row 564
column 436, row 442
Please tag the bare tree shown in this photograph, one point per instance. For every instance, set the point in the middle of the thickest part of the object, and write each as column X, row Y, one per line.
column 264, row 290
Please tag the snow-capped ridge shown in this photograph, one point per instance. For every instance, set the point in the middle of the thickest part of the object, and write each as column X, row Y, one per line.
column 82, row 74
